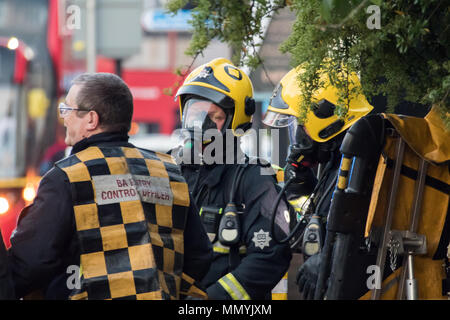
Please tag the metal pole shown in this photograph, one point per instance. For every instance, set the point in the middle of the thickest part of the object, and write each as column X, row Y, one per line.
column 91, row 50
column 381, row 258
column 408, row 262
column 411, row 283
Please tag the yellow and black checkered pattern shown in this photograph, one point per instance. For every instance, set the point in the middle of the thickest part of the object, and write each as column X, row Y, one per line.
column 129, row 249
column 190, row 287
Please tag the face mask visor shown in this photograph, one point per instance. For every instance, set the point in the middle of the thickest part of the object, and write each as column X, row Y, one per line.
column 202, row 115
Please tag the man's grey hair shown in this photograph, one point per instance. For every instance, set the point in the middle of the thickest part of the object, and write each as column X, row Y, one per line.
column 109, row 96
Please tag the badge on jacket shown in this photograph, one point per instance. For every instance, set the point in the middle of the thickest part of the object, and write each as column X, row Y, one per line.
column 261, row 239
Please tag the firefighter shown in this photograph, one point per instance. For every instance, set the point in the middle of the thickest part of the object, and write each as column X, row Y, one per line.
column 233, row 197
column 314, row 144
column 110, row 221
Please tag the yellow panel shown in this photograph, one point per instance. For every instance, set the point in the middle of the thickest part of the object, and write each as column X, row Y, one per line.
column 93, row 264
column 141, row 257
column 180, row 193
column 280, row 175
column 90, row 154
column 279, row 296
column 346, row 163
column 86, row 216
column 77, row 173
column 79, row 296
column 381, row 169
column 156, row 168
column 178, row 240
column 163, row 215
column 114, row 237
column 132, row 211
column 342, row 183
column 165, row 157
column 132, row 153
column 149, row 296
column 121, row 284
column 169, row 259
column 117, row 165
column 162, row 281
column 154, row 235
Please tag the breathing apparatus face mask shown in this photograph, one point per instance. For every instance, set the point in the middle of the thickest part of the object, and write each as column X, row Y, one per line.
column 202, row 115
column 303, row 149
column 309, row 151
column 201, row 118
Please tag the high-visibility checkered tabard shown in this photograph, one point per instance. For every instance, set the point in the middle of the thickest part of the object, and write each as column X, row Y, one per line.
column 130, row 209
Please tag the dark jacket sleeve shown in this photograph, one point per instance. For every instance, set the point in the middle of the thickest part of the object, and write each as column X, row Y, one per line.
column 266, row 261
column 6, row 285
column 197, row 247
column 39, row 243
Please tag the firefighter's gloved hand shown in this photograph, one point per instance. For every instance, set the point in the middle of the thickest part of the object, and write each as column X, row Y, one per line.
column 302, row 177
column 302, row 157
column 294, row 171
column 307, row 277
column 303, row 181
column 294, row 167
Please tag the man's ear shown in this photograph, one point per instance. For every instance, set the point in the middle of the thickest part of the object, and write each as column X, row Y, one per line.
column 93, row 121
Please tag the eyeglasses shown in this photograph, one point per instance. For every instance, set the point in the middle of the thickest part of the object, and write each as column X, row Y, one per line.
column 64, row 109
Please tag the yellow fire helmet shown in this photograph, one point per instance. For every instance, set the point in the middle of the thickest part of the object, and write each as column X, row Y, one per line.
column 321, row 123
column 225, row 85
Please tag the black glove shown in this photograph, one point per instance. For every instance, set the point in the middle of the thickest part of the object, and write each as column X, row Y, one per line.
column 302, row 177
column 294, row 171
column 307, row 277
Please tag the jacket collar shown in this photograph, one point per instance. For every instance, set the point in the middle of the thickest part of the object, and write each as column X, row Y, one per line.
column 215, row 175
column 101, row 138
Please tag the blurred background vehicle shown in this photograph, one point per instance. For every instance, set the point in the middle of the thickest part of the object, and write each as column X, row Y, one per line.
column 29, row 75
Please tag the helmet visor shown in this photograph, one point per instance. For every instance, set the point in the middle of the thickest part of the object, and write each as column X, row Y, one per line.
column 278, row 120
column 199, row 114
column 292, row 130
